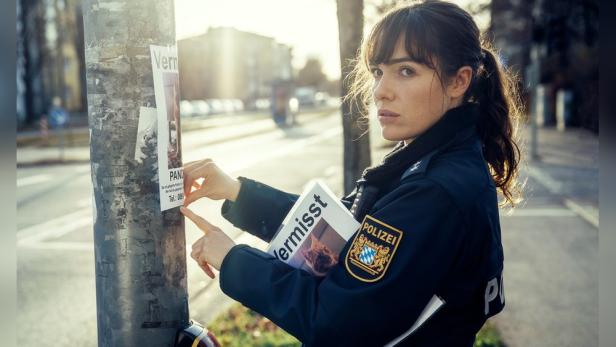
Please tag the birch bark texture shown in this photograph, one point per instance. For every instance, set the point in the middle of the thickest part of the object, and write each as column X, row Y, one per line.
column 354, row 129
column 140, row 252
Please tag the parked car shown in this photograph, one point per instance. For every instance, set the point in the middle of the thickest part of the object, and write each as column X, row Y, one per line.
column 263, row 104
column 216, row 106
column 201, row 107
column 238, row 105
column 306, row 96
column 320, row 98
column 187, row 109
column 227, row 105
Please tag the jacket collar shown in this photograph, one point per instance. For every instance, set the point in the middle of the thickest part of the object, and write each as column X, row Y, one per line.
column 445, row 132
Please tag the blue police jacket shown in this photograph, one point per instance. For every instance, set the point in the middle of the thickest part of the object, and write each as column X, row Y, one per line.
column 434, row 205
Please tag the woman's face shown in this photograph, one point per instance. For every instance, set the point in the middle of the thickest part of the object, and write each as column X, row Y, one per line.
column 408, row 96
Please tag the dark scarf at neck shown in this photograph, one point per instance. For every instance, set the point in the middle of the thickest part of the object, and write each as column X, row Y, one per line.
column 440, row 134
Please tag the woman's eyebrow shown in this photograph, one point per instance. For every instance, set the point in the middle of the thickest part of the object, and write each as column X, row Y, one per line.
column 399, row 60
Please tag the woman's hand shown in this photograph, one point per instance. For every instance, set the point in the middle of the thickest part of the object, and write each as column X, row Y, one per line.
column 216, row 183
column 212, row 247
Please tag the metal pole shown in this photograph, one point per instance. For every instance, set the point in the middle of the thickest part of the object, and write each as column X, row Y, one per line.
column 140, row 252
column 533, row 125
column 61, row 130
column 59, row 23
column 533, row 79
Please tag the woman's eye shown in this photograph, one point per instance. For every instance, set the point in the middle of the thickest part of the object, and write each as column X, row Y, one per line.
column 405, row 71
column 376, row 72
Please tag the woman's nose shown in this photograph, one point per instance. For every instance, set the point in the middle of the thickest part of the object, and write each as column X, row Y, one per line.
column 382, row 90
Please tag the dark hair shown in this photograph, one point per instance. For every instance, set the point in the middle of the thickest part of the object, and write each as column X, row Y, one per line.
column 444, row 37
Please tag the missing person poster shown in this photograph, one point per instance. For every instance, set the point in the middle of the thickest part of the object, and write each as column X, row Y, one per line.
column 167, row 93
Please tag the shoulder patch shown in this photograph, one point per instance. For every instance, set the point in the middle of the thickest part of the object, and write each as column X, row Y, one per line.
column 372, row 250
column 419, row 166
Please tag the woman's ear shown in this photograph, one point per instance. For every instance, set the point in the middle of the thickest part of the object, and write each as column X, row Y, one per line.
column 460, row 82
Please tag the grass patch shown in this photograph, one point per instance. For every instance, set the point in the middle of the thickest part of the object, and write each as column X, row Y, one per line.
column 488, row 336
column 241, row 327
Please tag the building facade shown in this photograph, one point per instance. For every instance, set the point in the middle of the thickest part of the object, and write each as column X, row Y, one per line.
column 50, row 57
column 228, row 63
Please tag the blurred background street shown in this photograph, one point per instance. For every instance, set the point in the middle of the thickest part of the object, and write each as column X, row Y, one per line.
column 268, row 108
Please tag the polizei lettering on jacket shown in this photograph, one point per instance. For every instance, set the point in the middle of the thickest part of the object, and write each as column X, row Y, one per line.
column 379, row 233
column 301, row 229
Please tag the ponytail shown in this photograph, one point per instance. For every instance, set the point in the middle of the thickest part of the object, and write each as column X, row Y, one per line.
column 442, row 32
column 497, row 127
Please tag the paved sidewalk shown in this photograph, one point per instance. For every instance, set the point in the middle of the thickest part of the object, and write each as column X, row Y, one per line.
column 551, row 246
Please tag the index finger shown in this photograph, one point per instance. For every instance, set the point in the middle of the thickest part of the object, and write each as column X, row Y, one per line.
column 204, row 225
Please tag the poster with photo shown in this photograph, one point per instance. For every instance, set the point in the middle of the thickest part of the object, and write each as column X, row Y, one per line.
column 167, row 94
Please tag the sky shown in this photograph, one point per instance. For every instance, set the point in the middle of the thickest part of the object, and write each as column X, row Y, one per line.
column 309, row 26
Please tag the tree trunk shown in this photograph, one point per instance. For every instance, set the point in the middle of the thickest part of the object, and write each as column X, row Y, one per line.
column 356, row 146
column 140, row 252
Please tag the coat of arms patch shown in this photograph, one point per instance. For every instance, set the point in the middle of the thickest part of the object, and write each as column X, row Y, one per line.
column 372, row 250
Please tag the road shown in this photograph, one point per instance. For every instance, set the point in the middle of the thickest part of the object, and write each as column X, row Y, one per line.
column 56, row 288
column 550, row 240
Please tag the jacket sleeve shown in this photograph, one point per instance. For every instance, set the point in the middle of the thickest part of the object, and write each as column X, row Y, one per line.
column 340, row 307
column 348, row 200
column 259, row 209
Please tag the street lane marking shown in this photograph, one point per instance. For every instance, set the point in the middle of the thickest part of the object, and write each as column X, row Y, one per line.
column 540, row 212
column 55, row 228
column 555, row 187
column 26, row 181
column 591, row 217
column 83, row 169
column 56, row 232
column 85, row 202
column 243, row 143
column 61, row 246
column 36, row 235
column 293, row 147
column 545, row 180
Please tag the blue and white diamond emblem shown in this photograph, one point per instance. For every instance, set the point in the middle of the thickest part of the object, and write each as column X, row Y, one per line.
column 367, row 255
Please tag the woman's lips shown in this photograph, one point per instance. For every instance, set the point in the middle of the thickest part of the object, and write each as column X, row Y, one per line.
column 386, row 116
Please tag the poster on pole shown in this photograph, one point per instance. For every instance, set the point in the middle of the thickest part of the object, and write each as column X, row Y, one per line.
column 147, row 129
column 167, row 94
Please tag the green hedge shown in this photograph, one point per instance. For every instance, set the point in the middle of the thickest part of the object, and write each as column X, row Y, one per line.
column 241, row 327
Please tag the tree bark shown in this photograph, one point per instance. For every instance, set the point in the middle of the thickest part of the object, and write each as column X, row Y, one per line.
column 140, row 252
column 356, row 146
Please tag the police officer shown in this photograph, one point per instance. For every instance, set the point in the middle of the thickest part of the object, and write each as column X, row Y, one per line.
column 432, row 202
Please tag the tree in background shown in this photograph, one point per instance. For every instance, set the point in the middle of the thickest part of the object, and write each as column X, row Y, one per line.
column 312, row 75
column 356, row 146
